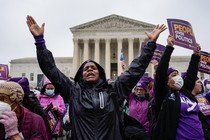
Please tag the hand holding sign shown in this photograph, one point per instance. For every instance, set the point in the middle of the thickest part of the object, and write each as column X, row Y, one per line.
column 198, row 49
column 170, row 40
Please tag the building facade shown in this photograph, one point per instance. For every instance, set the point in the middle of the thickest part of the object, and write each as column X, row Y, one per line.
column 102, row 40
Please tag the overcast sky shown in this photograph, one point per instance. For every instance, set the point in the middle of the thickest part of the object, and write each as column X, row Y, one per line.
column 60, row 15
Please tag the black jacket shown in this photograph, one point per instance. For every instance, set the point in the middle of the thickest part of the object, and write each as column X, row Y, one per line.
column 167, row 103
column 91, row 109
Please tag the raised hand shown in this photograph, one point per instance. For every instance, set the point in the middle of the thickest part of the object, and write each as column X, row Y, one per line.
column 153, row 36
column 198, row 49
column 34, row 28
column 170, row 40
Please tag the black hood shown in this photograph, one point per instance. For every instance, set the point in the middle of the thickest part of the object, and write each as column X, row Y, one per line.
column 78, row 77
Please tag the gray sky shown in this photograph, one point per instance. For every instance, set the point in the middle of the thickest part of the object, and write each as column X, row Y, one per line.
column 59, row 15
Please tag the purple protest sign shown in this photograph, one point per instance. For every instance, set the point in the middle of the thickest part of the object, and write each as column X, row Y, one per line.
column 204, row 106
column 51, row 117
column 182, row 32
column 204, row 62
column 157, row 54
column 4, row 72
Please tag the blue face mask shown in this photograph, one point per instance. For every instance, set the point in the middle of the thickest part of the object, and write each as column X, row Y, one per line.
column 50, row 92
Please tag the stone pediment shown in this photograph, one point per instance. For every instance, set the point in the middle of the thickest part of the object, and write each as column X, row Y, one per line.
column 113, row 22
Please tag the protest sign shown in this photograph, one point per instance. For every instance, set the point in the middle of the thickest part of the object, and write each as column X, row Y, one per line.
column 157, row 54
column 204, row 106
column 4, row 72
column 182, row 32
column 204, row 65
column 51, row 117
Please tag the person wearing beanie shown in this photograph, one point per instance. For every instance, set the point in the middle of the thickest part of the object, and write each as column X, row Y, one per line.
column 172, row 70
column 149, row 81
column 49, row 95
column 30, row 101
column 17, row 120
column 174, row 112
column 23, row 82
column 93, row 112
column 138, row 105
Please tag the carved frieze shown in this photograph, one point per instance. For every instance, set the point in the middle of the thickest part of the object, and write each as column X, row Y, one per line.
column 113, row 22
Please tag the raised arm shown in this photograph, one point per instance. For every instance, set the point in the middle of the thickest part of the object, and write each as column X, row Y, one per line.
column 192, row 71
column 46, row 60
column 161, row 76
column 136, row 69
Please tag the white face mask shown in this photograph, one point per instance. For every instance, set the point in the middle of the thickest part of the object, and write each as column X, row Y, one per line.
column 4, row 107
column 208, row 86
column 178, row 81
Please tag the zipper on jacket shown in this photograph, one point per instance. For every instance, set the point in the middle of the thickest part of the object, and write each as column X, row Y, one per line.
column 101, row 100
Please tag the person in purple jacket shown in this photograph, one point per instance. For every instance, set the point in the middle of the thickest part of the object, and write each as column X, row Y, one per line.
column 138, row 105
column 16, row 121
column 176, row 112
column 49, row 95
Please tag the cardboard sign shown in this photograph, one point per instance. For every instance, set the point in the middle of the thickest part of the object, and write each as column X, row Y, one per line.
column 4, row 72
column 204, row 65
column 51, row 117
column 157, row 54
column 182, row 32
column 204, row 106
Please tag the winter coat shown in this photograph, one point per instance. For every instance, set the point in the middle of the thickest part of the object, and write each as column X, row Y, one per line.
column 138, row 110
column 32, row 126
column 92, row 111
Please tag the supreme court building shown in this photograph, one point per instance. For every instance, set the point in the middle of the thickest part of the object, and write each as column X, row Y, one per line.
column 103, row 39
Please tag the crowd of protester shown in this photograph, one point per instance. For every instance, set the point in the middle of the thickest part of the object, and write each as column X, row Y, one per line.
column 171, row 105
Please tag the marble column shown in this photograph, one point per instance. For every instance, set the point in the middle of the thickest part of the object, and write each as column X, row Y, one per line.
column 119, row 47
column 140, row 43
column 130, row 50
column 76, row 55
column 97, row 50
column 107, row 58
column 86, row 50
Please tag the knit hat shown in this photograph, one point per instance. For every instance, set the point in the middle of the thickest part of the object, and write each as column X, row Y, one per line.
column 23, row 82
column 206, row 81
column 146, row 79
column 142, row 85
column 13, row 90
column 170, row 70
column 47, row 81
